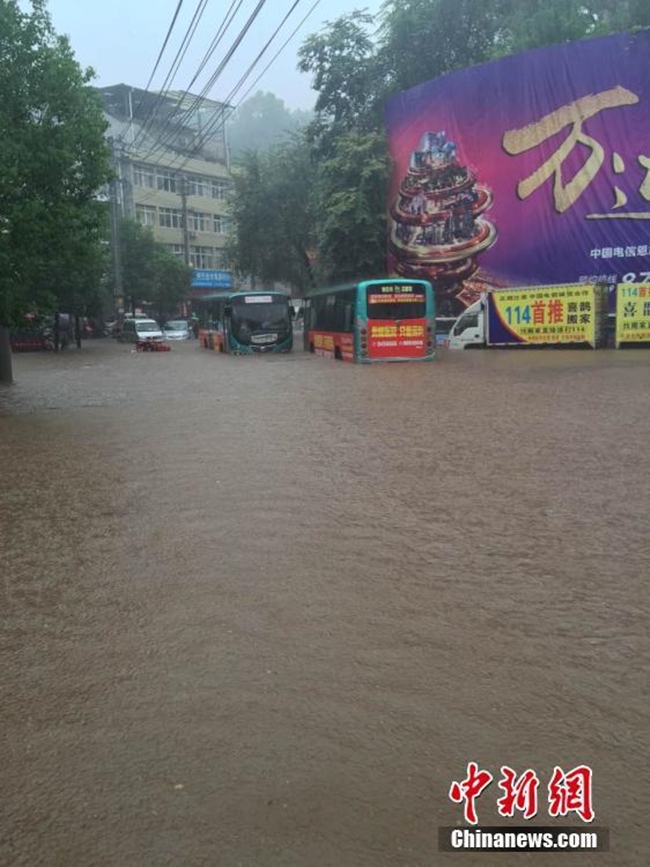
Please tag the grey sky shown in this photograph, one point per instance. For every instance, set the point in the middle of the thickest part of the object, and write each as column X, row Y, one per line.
column 121, row 39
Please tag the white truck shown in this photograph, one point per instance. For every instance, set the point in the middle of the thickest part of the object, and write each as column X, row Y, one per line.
column 534, row 316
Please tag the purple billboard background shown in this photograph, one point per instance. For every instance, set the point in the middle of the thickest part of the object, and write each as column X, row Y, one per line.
column 533, row 242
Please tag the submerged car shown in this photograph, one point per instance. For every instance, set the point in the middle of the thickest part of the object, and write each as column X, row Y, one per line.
column 137, row 330
column 177, row 329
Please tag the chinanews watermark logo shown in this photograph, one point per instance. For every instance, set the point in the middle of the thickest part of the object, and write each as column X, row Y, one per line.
column 568, row 793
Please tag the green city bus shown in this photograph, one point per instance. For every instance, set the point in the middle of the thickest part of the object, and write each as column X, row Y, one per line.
column 374, row 320
column 243, row 323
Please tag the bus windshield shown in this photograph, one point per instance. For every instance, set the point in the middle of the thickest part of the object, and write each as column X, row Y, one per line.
column 264, row 313
column 395, row 301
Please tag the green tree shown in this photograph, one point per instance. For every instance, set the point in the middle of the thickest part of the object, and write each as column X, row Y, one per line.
column 53, row 160
column 172, row 281
column 351, row 195
column 349, row 152
column 341, row 58
column 152, row 275
column 533, row 24
column 422, row 39
column 138, row 255
column 272, row 212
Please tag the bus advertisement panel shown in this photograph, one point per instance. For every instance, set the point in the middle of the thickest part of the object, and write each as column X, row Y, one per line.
column 396, row 320
column 524, row 171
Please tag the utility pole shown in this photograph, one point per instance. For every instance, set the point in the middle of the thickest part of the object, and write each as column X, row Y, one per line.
column 186, row 232
column 115, row 215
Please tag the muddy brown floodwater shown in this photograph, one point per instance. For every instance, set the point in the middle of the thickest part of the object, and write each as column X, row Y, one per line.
column 264, row 611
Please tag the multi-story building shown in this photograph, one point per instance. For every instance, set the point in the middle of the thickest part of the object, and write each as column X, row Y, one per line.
column 173, row 175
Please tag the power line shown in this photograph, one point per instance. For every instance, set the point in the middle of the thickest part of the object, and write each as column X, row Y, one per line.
column 178, row 59
column 162, row 50
column 212, row 126
column 277, row 54
column 194, row 106
column 221, row 32
column 217, row 39
column 160, row 54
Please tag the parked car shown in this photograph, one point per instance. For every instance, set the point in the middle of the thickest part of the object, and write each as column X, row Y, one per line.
column 177, row 329
column 135, row 330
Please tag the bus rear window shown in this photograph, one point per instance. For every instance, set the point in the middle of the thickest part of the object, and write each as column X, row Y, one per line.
column 396, row 302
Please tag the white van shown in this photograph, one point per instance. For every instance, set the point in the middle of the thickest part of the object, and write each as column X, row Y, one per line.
column 134, row 330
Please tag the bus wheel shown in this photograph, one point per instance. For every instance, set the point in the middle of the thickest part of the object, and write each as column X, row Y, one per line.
column 221, row 347
column 205, row 343
column 311, row 347
column 337, row 353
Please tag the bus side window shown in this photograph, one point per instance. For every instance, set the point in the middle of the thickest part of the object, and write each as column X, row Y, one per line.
column 329, row 320
column 348, row 318
column 315, row 313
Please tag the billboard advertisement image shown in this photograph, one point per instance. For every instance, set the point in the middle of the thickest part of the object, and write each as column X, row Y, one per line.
column 529, row 170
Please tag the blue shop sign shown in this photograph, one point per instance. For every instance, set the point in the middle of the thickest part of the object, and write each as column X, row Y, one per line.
column 211, row 278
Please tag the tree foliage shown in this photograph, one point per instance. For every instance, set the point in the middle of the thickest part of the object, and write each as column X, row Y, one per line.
column 530, row 24
column 351, row 193
column 172, row 282
column 272, row 209
column 53, row 160
column 422, row 39
column 152, row 275
column 341, row 59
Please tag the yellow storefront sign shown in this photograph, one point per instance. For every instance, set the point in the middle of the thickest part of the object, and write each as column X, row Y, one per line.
column 549, row 314
column 632, row 313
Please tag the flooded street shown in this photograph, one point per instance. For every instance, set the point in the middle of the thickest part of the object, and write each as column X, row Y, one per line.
column 261, row 612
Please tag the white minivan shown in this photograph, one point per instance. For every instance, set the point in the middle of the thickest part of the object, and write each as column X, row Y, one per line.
column 134, row 330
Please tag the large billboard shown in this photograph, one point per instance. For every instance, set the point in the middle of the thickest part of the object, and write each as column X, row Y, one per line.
column 533, row 169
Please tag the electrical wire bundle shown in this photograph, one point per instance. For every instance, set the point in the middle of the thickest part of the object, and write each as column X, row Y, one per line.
column 156, row 134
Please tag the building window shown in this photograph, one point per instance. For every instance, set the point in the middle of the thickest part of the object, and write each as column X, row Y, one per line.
column 177, row 250
column 196, row 187
column 219, row 189
column 166, row 181
column 202, row 257
column 143, row 177
column 198, row 222
column 145, row 215
column 220, row 224
column 170, row 218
